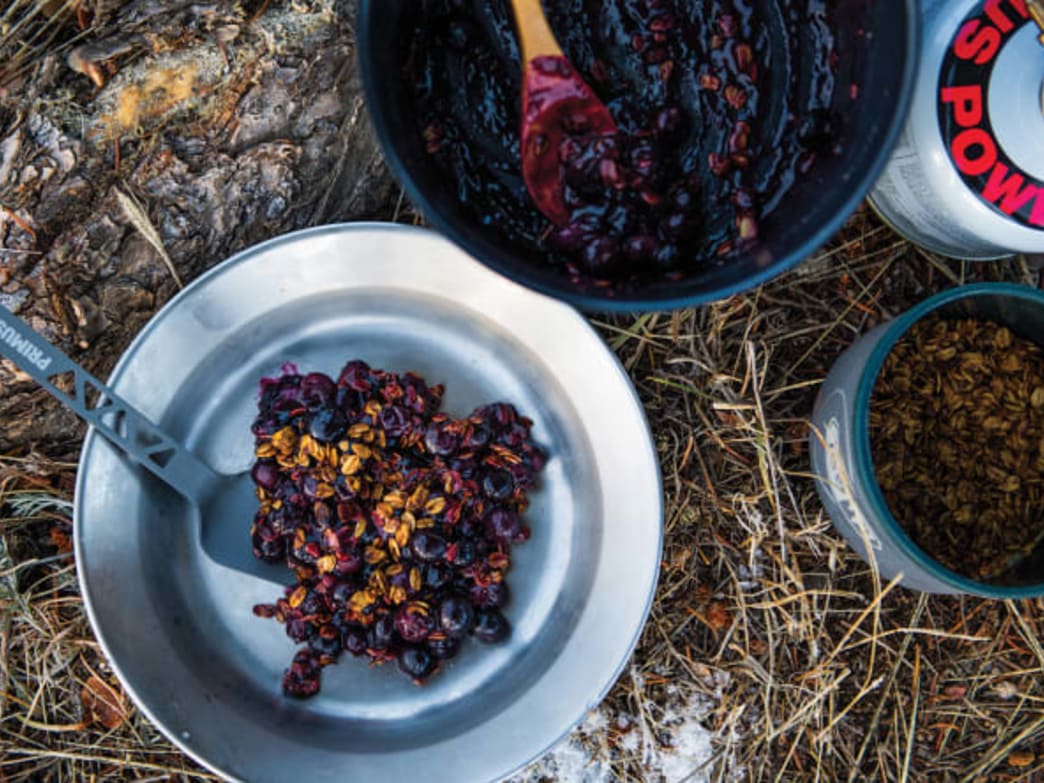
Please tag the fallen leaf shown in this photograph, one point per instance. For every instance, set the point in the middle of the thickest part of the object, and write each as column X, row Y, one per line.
column 680, row 558
column 62, row 541
column 103, row 704
column 718, row 616
column 1021, row 758
column 954, row 691
column 701, row 670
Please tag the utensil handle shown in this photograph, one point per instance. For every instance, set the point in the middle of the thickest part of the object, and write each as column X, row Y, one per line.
column 112, row 416
column 535, row 36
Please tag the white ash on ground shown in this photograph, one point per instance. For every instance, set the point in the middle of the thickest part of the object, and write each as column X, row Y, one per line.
column 671, row 743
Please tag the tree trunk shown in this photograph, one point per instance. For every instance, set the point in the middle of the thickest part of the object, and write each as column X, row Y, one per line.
column 214, row 127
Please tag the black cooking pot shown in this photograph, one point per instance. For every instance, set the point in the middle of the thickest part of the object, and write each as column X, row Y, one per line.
column 876, row 45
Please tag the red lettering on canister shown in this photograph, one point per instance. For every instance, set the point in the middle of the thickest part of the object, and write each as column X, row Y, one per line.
column 967, row 104
column 966, row 141
column 977, row 42
column 999, row 18
column 1036, row 217
column 964, row 102
column 1008, row 190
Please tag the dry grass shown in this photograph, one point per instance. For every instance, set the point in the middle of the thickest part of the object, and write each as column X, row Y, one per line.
column 829, row 674
column 810, row 667
column 47, row 651
column 31, row 29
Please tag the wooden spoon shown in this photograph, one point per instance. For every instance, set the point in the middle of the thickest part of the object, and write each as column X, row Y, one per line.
column 556, row 103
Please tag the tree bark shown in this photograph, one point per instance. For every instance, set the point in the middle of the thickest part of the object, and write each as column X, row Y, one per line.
column 225, row 130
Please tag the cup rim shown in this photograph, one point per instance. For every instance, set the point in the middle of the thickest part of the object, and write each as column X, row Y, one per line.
column 864, row 464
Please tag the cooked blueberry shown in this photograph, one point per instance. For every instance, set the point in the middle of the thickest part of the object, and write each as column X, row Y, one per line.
column 270, row 550
column 301, row 680
column 317, row 390
column 299, row 630
column 569, row 238
column 676, row 224
column 322, row 645
column 669, row 121
column 456, row 616
column 340, row 594
column 491, row 626
column 381, row 633
column 503, row 525
column 356, row 376
column 428, row 547
column 498, row 485
column 601, row 255
column 265, row 474
column 288, row 395
column 491, row 595
column 354, row 640
column 683, row 199
column 437, row 575
column 394, row 420
column 414, row 622
column 444, row 647
column 466, row 553
column 639, row 248
column 478, row 437
column 417, row 662
column 439, row 440
column 667, row 256
column 327, row 425
column 313, row 603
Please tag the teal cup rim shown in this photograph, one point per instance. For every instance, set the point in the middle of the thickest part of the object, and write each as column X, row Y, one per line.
column 864, row 458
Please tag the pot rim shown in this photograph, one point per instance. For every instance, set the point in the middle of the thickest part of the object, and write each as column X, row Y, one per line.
column 560, row 288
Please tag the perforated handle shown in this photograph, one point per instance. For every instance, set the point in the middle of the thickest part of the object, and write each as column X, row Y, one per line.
column 93, row 401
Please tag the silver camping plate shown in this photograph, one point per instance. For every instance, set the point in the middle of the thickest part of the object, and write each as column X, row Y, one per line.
column 178, row 626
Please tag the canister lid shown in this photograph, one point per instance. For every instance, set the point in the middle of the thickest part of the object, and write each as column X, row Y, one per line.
column 1016, row 92
column 990, row 102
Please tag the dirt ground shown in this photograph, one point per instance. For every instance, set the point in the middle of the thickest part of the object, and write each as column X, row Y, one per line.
column 135, row 153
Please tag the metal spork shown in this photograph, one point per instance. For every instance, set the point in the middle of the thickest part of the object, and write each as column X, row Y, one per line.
column 226, row 503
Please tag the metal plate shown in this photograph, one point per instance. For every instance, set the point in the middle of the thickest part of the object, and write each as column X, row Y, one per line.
column 178, row 627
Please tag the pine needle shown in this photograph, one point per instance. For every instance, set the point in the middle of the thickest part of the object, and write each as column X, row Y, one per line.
column 138, row 218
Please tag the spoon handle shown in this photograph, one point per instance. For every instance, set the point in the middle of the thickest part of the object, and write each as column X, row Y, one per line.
column 534, row 33
column 112, row 416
